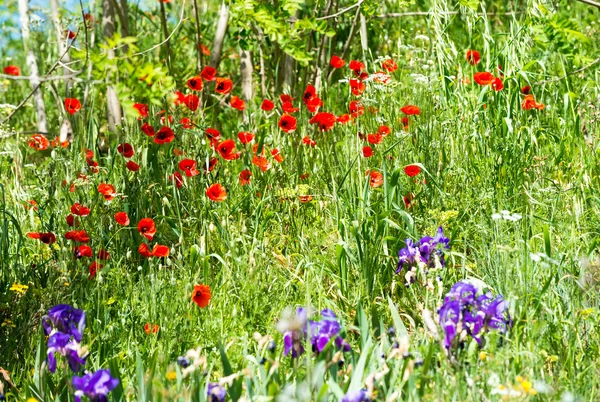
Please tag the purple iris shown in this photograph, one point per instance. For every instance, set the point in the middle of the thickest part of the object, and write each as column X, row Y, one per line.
column 95, row 386
column 464, row 310
column 423, row 251
column 216, row 393
column 356, row 396
column 66, row 319
column 64, row 345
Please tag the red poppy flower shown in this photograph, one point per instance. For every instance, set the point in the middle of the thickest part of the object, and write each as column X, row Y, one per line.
column 148, row 129
column 38, row 142
column 313, row 104
column 31, row 203
column 212, row 134
column 304, row 176
column 530, row 103
column 126, row 150
column 305, row 198
column 308, row 141
column 357, row 67
column 411, row 110
column 484, row 78
column 160, row 251
column 46, row 238
column 287, row 123
column 188, row 166
column 204, row 49
column 356, row 109
column 245, row 177
column 82, row 251
column 216, row 192
column 94, row 268
column 237, row 103
column 122, row 218
column 80, row 210
column 56, row 142
column 164, row 135
column 144, row 250
column 412, row 170
column 185, row 122
column 107, row 190
column 324, row 120
column 383, row 130
column 277, row 155
column 227, row 150
column 309, row 92
column 179, row 98
column 375, row 139
column 261, row 162
column 285, row 98
column 70, row 220
column 12, row 70
column 208, row 73
column 177, row 179
column 162, row 118
column 103, row 255
column 404, row 121
column 223, row 85
column 375, row 178
column 473, row 57
column 210, row 165
column 72, row 105
column 142, row 110
column 147, row 228
column 367, row 151
column 343, row 119
column 245, row 137
column 408, row 199
column 147, row 328
column 357, row 87
column 336, row 62
column 132, row 166
column 288, row 107
column 526, row 90
column 79, row 236
column 192, row 101
column 267, row 105
column 498, row 85
column 389, row 65
column 201, row 295
column 195, row 83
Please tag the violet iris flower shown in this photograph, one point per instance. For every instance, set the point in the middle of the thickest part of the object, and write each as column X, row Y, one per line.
column 356, row 396
column 423, row 251
column 63, row 344
column 95, row 386
column 216, row 393
column 66, row 319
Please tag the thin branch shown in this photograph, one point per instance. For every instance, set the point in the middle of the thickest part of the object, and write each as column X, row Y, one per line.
column 181, row 20
column 571, row 73
column 341, row 11
column 28, row 77
column 426, row 13
column 590, row 2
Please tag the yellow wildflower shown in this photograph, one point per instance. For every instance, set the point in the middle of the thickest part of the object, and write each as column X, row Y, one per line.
column 171, row 375
column 18, row 288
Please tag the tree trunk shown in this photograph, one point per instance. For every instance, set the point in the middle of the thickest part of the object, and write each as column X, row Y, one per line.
column 62, row 41
column 199, row 57
column 34, row 74
column 363, row 36
column 217, row 49
column 246, row 74
column 112, row 100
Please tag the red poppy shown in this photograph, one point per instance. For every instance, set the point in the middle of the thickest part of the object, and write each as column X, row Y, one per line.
column 56, row 142
column 408, row 199
column 367, row 151
column 212, row 135
column 177, row 179
column 285, row 98
column 148, row 129
column 144, row 250
column 375, row 178
column 304, row 176
column 530, row 103
column 201, row 295
column 313, row 104
column 383, row 130
column 484, row 78
column 245, row 177
column 389, row 65
column 324, row 120
column 79, row 236
column 357, row 67
column 12, row 70
column 245, row 137
column 192, row 102
column 103, row 255
column 411, row 110
column 277, row 155
column 70, row 220
column 210, row 165
column 46, row 238
column 288, row 107
column 412, row 170
column 404, row 121
column 216, row 192
column 309, row 92
column 179, row 98
column 498, row 85
column 356, row 109
column 188, row 166
column 287, row 123
column 308, row 141
column 126, row 150
column 204, row 49
column 261, row 162
column 142, row 110
column 147, row 228
column 223, row 85
column 132, row 166
column 94, row 268
column 336, row 62
column 164, row 135
column 208, row 73
column 305, row 198
column 72, row 105
column 82, row 251
column 160, row 251
column 526, row 90
column 237, row 103
column 147, row 328
column 80, row 210
column 186, row 122
column 267, row 105
column 357, row 87
column 38, row 142
column 343, row 119
column 162, row 118
column 375, row 139
column 195, row 83
column 227, row 150
column 107, row 190
column 122, row 218
column 473, row 57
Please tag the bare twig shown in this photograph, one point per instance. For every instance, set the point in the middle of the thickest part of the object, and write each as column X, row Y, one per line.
column 426, row 13
column 181, row 20
column 590, row 2
column 341, row 11
column 53, row 78
column 571, row 73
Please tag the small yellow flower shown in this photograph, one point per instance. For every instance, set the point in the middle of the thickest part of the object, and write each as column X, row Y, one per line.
column 171, row 375
column 32, row 400
column 18, row 288
column 66, row 284
column 482, row 355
